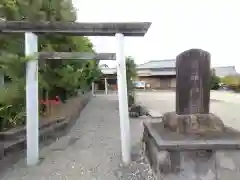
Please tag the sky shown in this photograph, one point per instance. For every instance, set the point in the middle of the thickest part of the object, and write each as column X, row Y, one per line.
column 177, row 25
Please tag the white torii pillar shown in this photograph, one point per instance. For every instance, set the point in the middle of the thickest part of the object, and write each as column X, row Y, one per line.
column 123, row 100
column 93, row 88
column 106, row 85
column 31, row 48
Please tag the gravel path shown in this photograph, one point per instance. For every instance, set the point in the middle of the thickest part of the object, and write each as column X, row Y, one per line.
column 91, row 151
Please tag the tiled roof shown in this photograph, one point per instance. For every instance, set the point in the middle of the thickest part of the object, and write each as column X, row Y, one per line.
column 225, row 71
column 171, row 63
column 109, row 70
column 168, row 63
column 157, row 67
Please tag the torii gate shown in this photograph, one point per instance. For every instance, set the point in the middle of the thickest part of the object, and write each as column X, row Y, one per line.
column 119, row 30
column 79, row 56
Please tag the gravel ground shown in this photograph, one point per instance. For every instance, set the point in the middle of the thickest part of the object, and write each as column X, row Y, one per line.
column 91, row 151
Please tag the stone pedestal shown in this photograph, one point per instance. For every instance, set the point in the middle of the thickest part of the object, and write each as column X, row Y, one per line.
column 227, row 164
column 191, row 157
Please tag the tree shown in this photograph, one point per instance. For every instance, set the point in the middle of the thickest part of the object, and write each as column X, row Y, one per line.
column 56, row 77
column 12, row 101
column 131, row 74
column 233, row 82
column 215, row 81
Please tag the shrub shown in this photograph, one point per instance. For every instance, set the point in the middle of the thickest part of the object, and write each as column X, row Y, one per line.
column 12, row 106
column 131, row 99
column 131, row 73
column 233, row 82
column 215, row 81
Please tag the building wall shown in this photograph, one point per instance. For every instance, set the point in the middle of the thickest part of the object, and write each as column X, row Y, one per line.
column 111, row 80
column 154, row 82
column 159, row 82
column 173, row 82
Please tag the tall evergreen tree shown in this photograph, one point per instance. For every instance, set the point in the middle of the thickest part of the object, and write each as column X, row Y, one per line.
column 56, row 77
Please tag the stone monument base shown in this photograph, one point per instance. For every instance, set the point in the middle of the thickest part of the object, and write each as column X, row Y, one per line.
column 193, row 123
column 179, row 156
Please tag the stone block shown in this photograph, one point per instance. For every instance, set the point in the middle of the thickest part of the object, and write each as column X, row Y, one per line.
column 163, row 162
column 175, row 160
column 193, row 123
column 228, row 164
column 1, row 150
column 193, row 82
column 151, row 153
column 136, row 111
column 154, row 114
column 210, row 175
column 159, row 160
column 197, row 167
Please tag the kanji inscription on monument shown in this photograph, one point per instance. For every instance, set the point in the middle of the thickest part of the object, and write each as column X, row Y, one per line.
column 193, row 82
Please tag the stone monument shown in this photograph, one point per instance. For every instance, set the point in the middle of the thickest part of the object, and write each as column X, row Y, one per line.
column 193, row 75
column 192, row 143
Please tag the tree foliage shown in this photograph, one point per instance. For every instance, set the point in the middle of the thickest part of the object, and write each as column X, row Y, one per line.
column 131, row 74
column 215, row 81
column 61, row 78
column 233, row 82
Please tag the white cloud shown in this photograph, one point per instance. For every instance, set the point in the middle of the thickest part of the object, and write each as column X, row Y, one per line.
column 177, row 25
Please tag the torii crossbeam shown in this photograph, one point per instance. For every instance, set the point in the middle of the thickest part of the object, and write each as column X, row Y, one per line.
column 77, row 55
column 74, row 28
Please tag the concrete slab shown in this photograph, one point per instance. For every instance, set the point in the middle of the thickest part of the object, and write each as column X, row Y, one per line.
column 154, row 114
